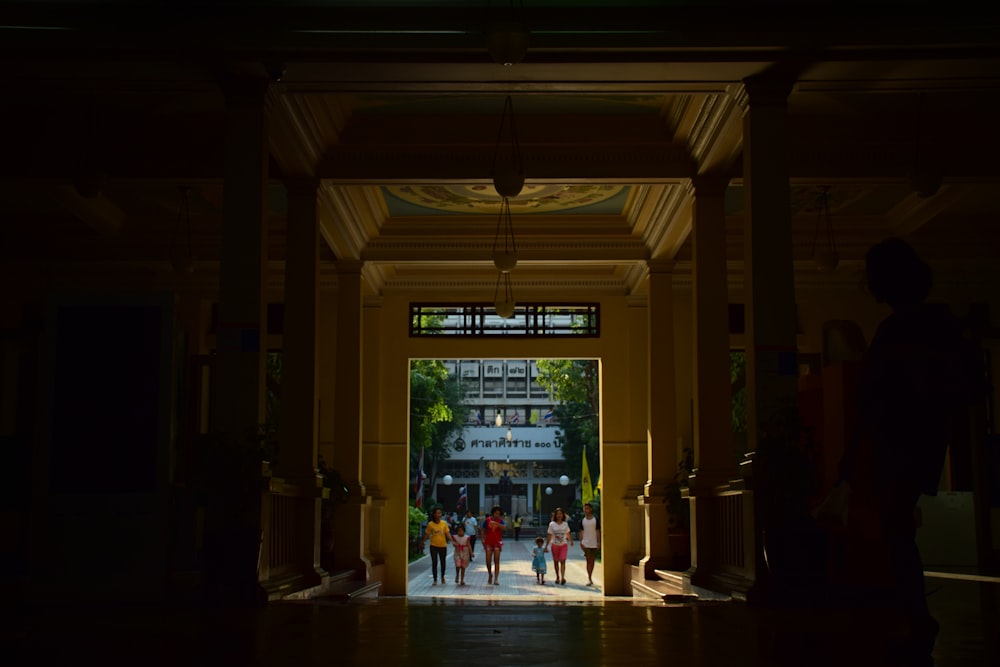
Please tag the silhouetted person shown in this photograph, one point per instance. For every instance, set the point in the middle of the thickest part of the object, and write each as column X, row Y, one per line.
column 918, row 374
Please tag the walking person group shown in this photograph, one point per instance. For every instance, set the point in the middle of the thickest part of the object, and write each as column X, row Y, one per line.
column 490, row 532
column 438, row 532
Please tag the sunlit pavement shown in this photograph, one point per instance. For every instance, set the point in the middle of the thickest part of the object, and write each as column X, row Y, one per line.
column 517, row 580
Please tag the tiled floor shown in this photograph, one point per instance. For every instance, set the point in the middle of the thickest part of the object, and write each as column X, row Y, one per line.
column 486, row 626
column 517, row 580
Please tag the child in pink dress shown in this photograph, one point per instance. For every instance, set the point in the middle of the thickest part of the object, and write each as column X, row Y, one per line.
column 462, row 552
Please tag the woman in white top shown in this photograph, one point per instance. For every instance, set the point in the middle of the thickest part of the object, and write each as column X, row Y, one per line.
column 561, row 539
column 590, row 539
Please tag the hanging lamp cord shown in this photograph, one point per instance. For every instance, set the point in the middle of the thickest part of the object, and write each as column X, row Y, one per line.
column 507, row 118
column 504, row 222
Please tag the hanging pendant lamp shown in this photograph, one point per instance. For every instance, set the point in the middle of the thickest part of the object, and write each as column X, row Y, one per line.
column 505, row 257
column 508, row 180
column 503, row 298
column 508, row 169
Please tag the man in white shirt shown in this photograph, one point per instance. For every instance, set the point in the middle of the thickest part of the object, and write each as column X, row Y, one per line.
column 471, row 524
column 590, row 539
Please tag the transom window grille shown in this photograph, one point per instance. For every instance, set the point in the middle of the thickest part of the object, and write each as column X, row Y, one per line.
column 529, row 319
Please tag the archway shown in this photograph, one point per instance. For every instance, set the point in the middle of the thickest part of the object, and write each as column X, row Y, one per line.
column 521, row 435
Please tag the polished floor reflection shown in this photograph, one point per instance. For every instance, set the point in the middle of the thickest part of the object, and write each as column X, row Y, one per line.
column 499, row 631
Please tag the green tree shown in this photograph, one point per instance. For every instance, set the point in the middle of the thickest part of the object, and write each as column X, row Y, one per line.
column 416, row 520
column 436, row 415
column 575, row 386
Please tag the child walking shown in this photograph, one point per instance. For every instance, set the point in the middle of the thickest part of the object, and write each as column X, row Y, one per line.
column 462, row 554
column 538, row 561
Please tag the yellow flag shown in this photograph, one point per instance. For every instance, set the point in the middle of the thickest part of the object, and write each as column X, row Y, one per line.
column 538, row 497
column 587, row 491
column 597, row 489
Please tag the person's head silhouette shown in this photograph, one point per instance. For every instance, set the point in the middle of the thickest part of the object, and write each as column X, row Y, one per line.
column 896, row 275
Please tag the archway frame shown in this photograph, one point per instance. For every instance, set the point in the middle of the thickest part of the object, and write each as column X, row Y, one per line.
column 621, row 351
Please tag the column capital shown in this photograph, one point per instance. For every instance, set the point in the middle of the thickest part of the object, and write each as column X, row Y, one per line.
column 301, row 186
column 349, row 266
column 661, row 265
column 768, row 89
column 244, row 86
column 709, row 185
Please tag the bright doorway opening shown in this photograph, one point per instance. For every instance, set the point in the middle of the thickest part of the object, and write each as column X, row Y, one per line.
column 519, row 434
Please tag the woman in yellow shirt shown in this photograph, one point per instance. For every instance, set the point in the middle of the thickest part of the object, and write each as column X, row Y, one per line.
column 438, row 532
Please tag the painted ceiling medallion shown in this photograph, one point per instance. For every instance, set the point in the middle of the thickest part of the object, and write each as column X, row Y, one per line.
column 484, row 198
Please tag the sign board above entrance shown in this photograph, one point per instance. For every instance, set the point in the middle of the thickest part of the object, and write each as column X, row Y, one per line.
column 528, row 443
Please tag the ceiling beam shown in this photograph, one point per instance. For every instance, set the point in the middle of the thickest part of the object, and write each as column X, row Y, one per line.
column 915, row 211
column 99, row 212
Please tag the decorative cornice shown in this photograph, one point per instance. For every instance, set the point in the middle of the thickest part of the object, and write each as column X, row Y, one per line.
column 293, row 137
column 741, row 100
column 637, row 300
column 343, row 220
column 635, row 276
column 677, row 112
column 669, row 222
column 416, row 249
column 392, row 163
column 374, row 275
column 706, row 121
column 608, row 286
column 719, row 140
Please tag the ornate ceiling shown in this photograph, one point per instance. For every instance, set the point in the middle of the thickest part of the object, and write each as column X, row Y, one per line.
column 401, row 128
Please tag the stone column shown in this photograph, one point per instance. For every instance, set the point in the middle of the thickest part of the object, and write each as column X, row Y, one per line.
column 771, row 356
column 232, row 520
column 299, row 381
column 349, row 519
column 662, row 455
column 713, row 441
column 772, row 366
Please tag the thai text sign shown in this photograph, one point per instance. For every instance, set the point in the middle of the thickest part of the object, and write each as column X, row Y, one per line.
column 530, row 443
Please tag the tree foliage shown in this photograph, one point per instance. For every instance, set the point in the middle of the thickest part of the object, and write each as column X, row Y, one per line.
column 436, row 415
column 416, row 519
column 575, row 386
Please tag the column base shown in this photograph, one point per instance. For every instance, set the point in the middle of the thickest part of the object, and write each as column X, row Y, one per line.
column 736, row 586
column 649, row 566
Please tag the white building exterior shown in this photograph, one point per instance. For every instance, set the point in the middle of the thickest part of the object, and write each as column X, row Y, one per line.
column 510, row 429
